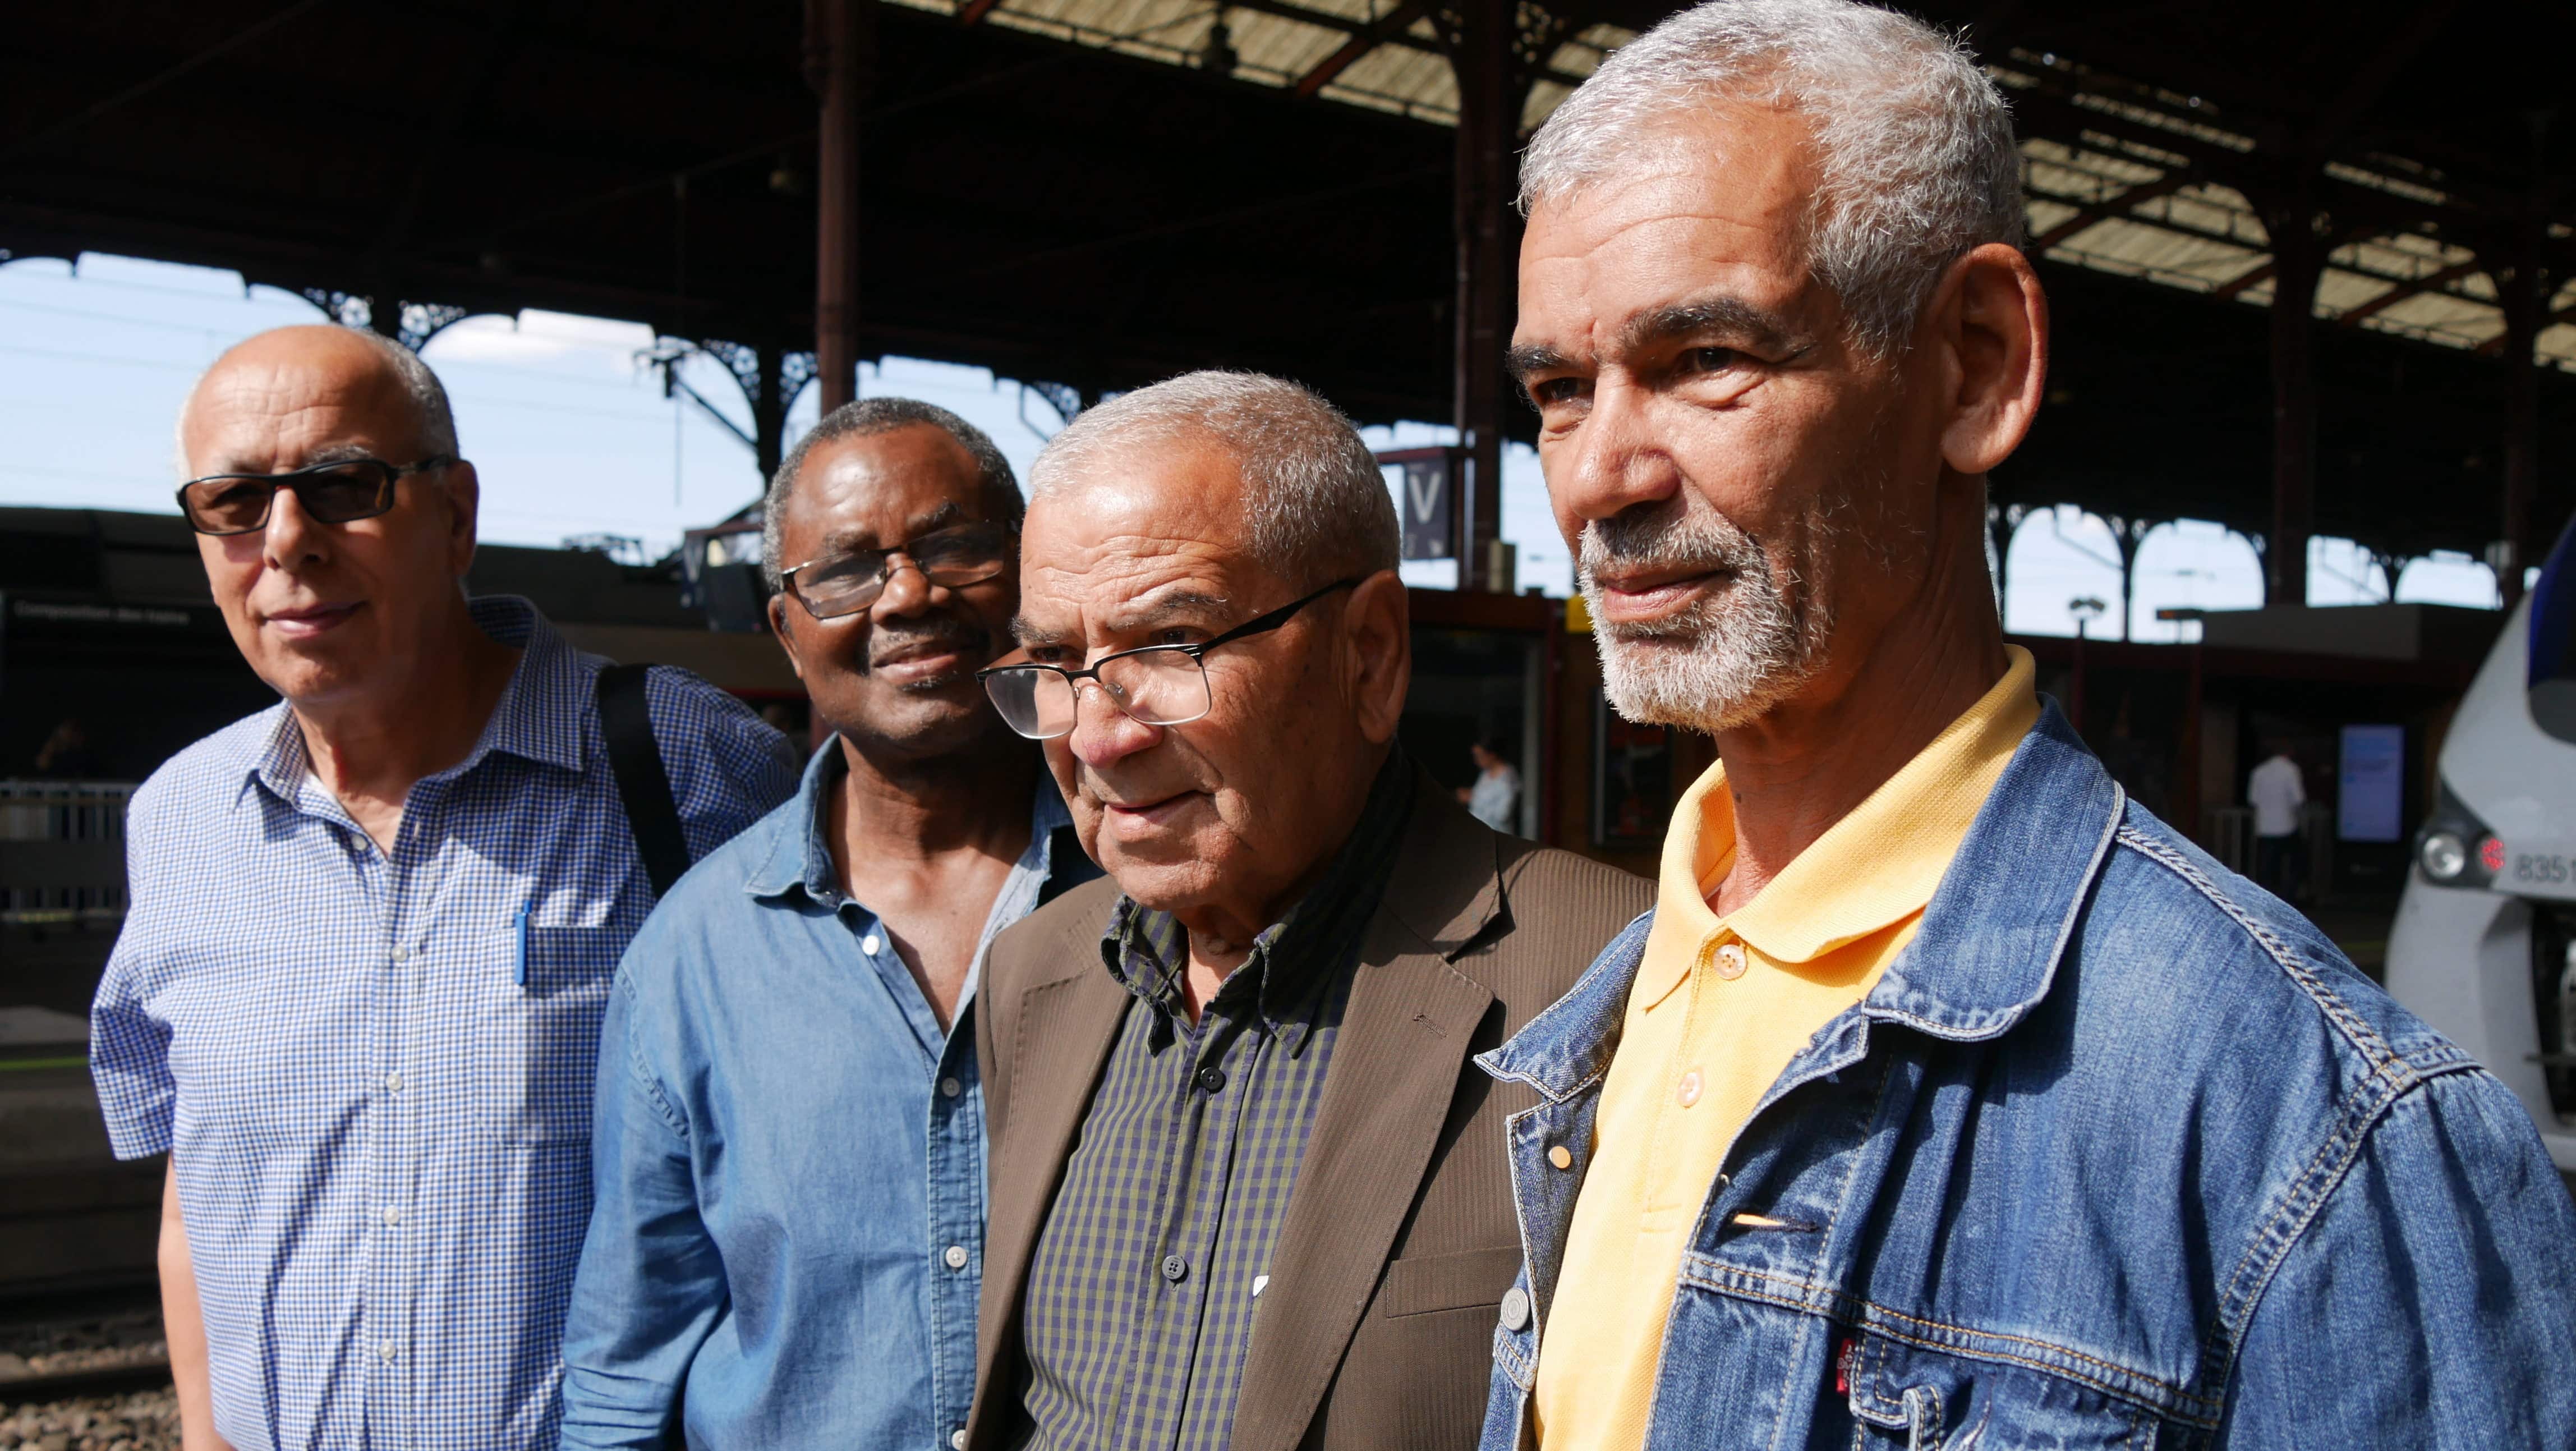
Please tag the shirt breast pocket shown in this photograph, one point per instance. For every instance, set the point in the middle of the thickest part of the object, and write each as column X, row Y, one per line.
column 1908, row 1396
column 538, row 1048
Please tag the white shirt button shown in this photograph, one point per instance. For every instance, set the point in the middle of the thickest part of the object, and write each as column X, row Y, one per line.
column 393, row 1214
column 956, row 1257
column 402, row 954
column 870, row 943
column 1688, row 1093
column 1730, row 961
column 389, row 1350
column 950, row 1087
column 393, row 1083
column 957, row 1439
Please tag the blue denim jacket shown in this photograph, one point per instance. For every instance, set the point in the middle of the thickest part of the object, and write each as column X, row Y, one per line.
column 2119, row 1152
column 788, row 1238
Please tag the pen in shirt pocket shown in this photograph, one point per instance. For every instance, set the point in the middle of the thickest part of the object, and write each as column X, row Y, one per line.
column 519, row 974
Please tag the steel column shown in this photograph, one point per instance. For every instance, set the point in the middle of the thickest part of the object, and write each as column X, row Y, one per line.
column 2298, row 257
column 1487, row 239
column 2519, row 289
column 837, row 54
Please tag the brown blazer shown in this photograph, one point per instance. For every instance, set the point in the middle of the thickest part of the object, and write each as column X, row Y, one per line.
column 1376, row 1329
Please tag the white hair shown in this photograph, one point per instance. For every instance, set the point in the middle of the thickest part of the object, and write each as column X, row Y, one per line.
column 428, row 401
column 1914, row 144
column 1319, row 508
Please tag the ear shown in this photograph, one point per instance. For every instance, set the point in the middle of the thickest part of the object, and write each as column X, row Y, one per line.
column 1377, row 625
column 786, row 638
column 1989, row 321
column 464, row 501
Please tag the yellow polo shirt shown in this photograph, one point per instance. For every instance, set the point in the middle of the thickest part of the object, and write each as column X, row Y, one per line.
column 1719, row 1008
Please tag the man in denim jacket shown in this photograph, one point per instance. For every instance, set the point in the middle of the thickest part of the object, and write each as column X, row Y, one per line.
column 1947, row 1098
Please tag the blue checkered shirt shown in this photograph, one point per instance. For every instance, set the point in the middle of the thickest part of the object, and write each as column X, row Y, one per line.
column 375, row 1072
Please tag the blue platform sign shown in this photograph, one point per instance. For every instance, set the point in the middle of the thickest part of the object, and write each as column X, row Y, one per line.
column 2370, row 793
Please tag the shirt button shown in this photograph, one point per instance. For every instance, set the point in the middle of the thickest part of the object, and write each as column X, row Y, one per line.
column 870, row 943
column 389, row 1350
column 1561, row 1156
column 1516, row 1309
column 1212, row 1080
column 1730, row 961
column 393, row 1083
column 393, row 1214
column 402, row 955
column 1175, row 1268
column 955, row 1259
column 957, row 1439
column 950, row 1088
column 1688, row 1093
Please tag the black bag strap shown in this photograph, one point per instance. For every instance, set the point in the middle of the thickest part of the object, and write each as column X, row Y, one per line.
column 635, row 758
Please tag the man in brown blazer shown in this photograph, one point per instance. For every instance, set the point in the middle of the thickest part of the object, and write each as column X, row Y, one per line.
column 1247, row 1190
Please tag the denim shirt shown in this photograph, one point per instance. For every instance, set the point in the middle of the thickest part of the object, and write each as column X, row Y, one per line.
column 2120, row 1152
column 789, row 1157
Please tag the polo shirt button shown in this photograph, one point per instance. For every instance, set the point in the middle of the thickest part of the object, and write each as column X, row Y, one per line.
column 955, row 1259
column 870, row 943
column 1688, row 1093
column 1516, row 1309
column 950, row 1088
column 957, row 1439
column 1175, row 1268
column 1730, row 961
column 1561, row 1156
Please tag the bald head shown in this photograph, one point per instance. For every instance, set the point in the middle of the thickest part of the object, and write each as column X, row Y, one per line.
column 291, row 371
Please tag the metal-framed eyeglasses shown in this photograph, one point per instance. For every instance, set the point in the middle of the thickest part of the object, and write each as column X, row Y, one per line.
column 341, row 492
column 844, row 584
column 1156, row 685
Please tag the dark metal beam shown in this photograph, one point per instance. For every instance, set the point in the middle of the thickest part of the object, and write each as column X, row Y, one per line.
column 1377, row 33
column 158, row 79
column 2430, row 281
column 2367, row 84
column 2111, row 207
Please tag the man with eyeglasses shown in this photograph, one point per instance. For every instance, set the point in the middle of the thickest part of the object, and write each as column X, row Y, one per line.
column 1247, row 1188
column 790, row 1148
column 358, row 992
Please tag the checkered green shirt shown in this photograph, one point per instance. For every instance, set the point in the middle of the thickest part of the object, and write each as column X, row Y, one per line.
column 1142, row 1295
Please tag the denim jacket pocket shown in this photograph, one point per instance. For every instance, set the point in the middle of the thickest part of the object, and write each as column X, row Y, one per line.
column 1904, row 1395
column 537, row 1053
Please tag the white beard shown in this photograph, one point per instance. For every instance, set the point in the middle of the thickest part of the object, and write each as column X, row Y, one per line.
column 1727, row 659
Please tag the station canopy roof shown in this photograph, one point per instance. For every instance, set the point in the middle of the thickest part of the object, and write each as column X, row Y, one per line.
column 1100, row 192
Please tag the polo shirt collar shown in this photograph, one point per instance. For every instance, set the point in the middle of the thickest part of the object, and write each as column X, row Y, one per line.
column 539, row 716
column 1874, row 868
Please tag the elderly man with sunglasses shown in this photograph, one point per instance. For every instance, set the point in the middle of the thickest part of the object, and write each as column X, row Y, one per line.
column 358, row 993
column 1247, row 1188
column 790, row 1148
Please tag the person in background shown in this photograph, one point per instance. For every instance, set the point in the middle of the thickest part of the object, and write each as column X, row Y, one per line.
column 1947, row 1098
column 1495, row 799
column 358, row 991
column 790, row 1137
column 66, row 755
column 1247, row 1190
column 2277, row 790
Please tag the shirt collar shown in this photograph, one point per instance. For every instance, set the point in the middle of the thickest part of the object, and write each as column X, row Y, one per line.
column 799, row 857
column 1874, row 868
column 1146, row 950
column 539, row 716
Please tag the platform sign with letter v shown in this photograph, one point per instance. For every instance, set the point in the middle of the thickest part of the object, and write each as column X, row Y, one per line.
column 1425, row 480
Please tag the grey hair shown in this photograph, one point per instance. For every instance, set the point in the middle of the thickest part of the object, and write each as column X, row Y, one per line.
column 1914, row 143
column 428, row 397
column 867, row 417
column 1319, row 506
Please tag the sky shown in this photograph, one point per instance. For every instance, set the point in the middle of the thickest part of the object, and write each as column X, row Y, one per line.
column 572, row 436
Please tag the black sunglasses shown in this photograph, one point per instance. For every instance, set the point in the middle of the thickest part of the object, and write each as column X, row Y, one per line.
column 332, row 493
